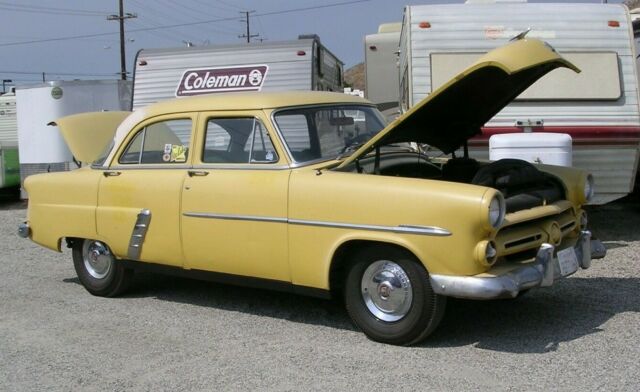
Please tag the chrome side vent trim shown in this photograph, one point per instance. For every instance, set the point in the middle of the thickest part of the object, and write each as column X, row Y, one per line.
column 138, row 234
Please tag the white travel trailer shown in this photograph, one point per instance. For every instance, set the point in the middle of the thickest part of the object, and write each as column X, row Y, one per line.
column 598, row 107
column 42, row 147
column 381, row 68
column 302, row 64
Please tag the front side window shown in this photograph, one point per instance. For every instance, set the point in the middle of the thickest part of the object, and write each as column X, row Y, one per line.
column 326, row 132
column 237, row 140
column 161, row 142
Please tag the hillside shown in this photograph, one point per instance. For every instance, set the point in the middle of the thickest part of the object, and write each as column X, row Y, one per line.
column 354, row 77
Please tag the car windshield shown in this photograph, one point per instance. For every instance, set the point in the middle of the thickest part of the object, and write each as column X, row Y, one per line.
column 316, row 133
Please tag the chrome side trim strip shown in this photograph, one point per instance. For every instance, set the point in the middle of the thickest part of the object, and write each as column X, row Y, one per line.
column 235, row 217
column 138, row 234
column 402, row 229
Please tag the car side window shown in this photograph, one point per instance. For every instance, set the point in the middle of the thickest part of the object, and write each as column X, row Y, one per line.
column 295, row 130
column 162, row 142
column 237, row 140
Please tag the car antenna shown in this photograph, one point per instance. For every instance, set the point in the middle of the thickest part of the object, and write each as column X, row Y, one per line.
column 521, row 35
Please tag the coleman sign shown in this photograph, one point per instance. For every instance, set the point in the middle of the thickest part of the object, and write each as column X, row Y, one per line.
column 224, row 79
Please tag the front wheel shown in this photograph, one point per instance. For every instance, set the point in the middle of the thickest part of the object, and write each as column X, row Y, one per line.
column 98, row 270
column 389, row 297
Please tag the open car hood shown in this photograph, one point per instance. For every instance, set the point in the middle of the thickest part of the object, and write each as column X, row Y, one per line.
column 87, row 134
column 456, row 111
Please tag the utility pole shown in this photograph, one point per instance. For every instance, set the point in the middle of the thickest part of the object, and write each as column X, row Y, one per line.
column 121, row 17
column 248, row 35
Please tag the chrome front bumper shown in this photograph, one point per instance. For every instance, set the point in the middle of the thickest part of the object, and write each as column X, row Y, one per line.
column 543, row 272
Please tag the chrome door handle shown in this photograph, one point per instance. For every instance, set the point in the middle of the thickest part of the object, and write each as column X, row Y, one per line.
column 200, row 173
column 111, row 173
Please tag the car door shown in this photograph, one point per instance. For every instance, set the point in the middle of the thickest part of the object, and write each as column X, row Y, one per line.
column 139, row 195
column 234, row 203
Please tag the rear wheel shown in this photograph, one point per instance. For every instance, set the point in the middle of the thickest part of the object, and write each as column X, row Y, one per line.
column 98, row 270
column 389, row 297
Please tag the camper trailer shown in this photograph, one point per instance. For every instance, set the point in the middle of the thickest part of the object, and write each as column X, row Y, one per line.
column 302, row 64
column 9, row 164
column 42, row 147
column 598, row 107
column 381, row 68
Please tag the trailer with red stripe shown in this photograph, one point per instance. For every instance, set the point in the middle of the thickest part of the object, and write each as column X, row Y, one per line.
column 598, row 108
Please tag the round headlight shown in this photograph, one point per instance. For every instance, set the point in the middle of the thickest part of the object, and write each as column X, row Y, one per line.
column 496, row 211
column 588, row 188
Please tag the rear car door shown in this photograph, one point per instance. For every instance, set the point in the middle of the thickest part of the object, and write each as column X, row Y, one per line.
column 138, row 210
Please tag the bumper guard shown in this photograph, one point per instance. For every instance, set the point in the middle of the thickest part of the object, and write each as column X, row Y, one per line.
column 543, row 272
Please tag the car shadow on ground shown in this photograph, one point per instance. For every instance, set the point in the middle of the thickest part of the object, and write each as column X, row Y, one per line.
column 266, row 303
column 535, row 323
column 540, row 320
column 611, row 222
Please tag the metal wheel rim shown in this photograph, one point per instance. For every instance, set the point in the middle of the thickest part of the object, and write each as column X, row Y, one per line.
column 97, row 259
column 386, row 290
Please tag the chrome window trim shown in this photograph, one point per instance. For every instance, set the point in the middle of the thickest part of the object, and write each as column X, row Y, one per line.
column 150, row 121
column 400, row 229
column 240, row 166
column 294, row 163
column 256, row 119
column 148, row 166
column 207, row 166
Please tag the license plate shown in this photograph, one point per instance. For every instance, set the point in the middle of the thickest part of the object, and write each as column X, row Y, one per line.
column 568, row 261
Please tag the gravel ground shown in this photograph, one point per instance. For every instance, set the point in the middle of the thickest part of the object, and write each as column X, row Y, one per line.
column 177, row 334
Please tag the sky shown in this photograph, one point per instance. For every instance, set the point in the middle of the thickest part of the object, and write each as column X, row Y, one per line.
column 72, row 39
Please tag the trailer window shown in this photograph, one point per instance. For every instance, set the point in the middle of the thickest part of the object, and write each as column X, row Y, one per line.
column 599, row 79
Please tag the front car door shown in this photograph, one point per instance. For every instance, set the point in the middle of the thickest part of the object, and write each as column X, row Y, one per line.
column 234, row 203
column 139, row 195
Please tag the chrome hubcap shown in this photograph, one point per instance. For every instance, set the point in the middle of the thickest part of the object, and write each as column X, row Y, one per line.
column 386, row 290
column 97, row 259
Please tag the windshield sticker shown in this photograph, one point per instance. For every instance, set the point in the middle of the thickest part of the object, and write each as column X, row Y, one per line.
column 222, row 79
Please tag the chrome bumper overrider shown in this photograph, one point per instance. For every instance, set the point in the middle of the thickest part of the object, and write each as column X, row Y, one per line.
column 540, row 273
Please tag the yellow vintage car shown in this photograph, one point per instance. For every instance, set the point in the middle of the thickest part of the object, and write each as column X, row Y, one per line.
column 311, row 193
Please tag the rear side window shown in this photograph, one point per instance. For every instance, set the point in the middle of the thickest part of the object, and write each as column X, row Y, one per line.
column 161, row 142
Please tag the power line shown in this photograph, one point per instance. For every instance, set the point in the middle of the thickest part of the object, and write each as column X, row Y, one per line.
column 48, row 10
column 222, row 6
column 56, row 73
column 288, row 11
